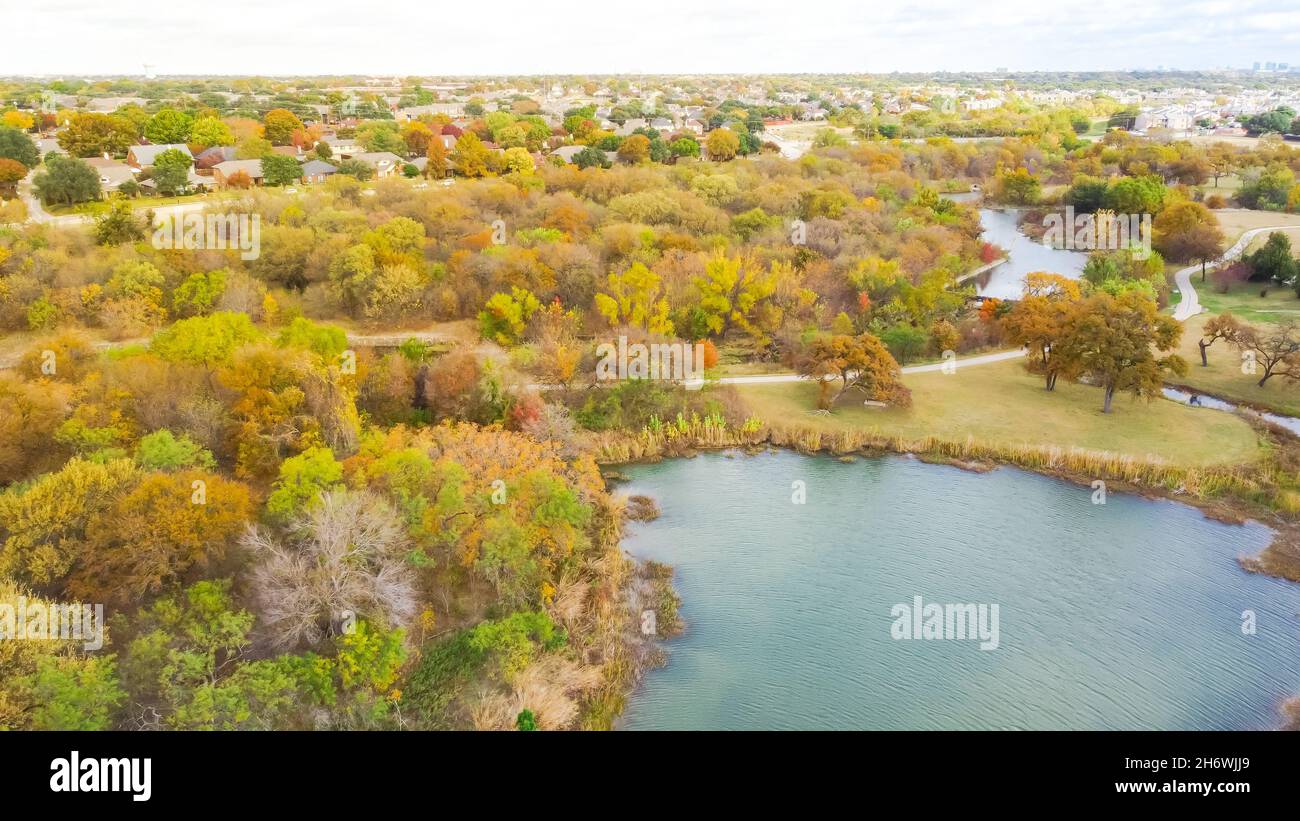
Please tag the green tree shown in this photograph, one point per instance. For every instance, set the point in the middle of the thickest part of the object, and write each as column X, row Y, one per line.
column 278, row 169
column 303, row 478
column 17, row 146
column 171, row 171
column 66, row 180
column 208, row 132
column 169, row 126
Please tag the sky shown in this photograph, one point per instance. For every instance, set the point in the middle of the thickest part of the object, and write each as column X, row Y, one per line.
column 452, row 37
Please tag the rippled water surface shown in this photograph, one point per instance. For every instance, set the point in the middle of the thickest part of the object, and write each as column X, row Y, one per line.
column 1124, row 615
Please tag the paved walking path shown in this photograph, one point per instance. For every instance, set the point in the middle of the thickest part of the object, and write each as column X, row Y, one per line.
column 1189, row 304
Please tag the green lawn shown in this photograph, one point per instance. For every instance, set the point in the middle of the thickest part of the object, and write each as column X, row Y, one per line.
column 1245, row 302
column 1001, row 403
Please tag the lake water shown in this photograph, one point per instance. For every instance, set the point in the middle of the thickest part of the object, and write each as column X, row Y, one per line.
column 1125, row 615
column 1006, row 281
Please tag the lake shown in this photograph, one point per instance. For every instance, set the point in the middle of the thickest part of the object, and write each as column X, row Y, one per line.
column 1123, row 615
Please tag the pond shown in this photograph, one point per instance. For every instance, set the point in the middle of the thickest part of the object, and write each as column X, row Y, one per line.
column 1026, row 255
column 1122, row 615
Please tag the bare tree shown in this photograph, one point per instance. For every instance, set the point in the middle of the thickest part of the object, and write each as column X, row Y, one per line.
column 345, row 557
column 1276, row 349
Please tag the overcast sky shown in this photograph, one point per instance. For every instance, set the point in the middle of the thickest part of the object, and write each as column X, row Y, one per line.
column 666, row 36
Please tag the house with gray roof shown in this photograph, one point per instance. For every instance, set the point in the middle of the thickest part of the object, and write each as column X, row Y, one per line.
column 141, row 157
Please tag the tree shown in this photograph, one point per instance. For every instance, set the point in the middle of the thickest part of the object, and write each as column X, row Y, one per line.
column 169, row 126
column 1113, row 341
column 18, row 119
column 346, row 556
column 171, row 171
column 17, row 146
column 1273, row 259
column 155, row 532
column 90, row 135
column 636, row 298
column 280, row 123
column 1276, row 348
column 634, row 149
column 1018, row 187
column 722, row 144
column 11, row 171
column 208, row 132
column 505, row 316
column 119, row 224
column 303, row 478
column 436, row 167
column 517, row 160
column 1187, row 231
column 204, row 340
column 470, row 156
column 1039, row 320
column 860, row 362
column 591, row 157
column 66, row 180
column 418, row 137
column 1224, row 326
column 278, row 169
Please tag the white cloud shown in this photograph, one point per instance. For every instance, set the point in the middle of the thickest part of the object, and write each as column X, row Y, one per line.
column 669, row 36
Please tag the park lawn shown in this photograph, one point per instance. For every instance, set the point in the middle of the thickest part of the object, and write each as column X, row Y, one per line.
column 1223, row 376
column 1245, row 302
column 1001, row 403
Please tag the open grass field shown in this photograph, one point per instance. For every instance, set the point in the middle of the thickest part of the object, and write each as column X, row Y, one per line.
column 1236, row 222
column 1223, row 376
column 1245, row 302
column 1001, row 403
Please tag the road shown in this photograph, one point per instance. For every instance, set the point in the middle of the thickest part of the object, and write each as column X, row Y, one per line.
column 36, row 212
column 1189, row 304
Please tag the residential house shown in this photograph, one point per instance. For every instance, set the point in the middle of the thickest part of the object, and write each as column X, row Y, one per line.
column 112, row 173
column 384, row 163
column 221, row 172
column 141, row 157
column 212, row 156
column 316, row 171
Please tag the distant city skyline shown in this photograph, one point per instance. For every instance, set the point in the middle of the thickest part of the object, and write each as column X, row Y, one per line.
column 332, row 37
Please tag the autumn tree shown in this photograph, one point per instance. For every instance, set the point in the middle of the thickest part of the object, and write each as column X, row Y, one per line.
column 1188, row 231
column 1113, row 341
column 470, row 156
column 1040, row 319
column 1224, row 326
column 634, row 149
column 280, row 124
column 156, row 532
column 859, row 362
column 635, row 298
column 722, row 144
